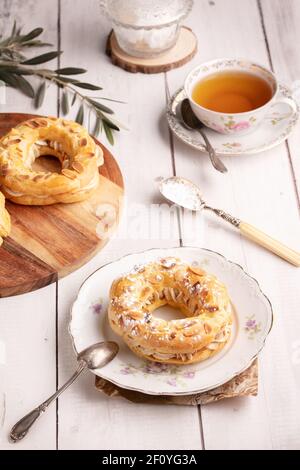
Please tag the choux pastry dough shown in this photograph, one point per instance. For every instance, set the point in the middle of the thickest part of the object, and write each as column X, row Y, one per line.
column 4, row 219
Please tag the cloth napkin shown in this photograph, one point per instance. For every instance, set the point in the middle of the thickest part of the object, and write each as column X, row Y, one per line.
column 244, row 384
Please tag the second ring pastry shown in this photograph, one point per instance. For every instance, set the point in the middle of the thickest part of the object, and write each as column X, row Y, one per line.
column 79, row 156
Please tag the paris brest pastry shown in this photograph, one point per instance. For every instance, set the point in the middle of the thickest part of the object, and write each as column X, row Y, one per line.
column 77, row 152
column 203, row 300
column 4, row 219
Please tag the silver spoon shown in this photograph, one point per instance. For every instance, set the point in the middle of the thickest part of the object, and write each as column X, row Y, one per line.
column 192, row 122
column 93, row 357
column 186, row 194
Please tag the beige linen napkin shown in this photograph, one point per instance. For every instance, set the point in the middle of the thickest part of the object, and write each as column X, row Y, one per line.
column 244, row 384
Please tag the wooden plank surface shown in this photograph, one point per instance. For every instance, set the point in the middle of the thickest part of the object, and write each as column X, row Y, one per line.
column 142, row 156
column 281, row 20
column 262, row 189
column 27, row 322
column 259, row 189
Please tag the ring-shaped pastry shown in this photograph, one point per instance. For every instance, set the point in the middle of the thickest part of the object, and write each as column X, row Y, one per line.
column 77, row 152
column 4, row 219
column 202, row 299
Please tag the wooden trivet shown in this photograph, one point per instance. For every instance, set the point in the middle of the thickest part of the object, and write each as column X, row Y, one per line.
column 183, row 51
column 244, row 384
column 48, row 242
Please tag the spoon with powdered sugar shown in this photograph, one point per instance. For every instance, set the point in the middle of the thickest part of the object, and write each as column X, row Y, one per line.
column 186, row 194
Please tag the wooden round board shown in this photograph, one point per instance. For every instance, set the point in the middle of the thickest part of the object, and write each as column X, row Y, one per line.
column 49, row 242
column 183, row 51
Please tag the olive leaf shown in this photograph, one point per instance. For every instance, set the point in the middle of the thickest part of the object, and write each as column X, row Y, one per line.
column 65, row 107
column 15, row 66
column 33, row 34
column 109, row 99
column 9, row 79
column 88, row 86
column 70, row 71
column 73, row 99
column 80, row 115
column 23, row 85
column 110, row 123
column 14, row 29
column 108, row 133
column 40, row 95
column 97, row 127
column 100, row 106
column 67, row 79
column 41, row 59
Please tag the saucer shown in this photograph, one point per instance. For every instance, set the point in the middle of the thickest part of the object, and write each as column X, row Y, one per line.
column 275, row 129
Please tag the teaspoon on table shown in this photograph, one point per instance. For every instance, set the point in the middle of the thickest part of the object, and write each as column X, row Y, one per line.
column 191, row 121
column 186, row 194
column 93, row 357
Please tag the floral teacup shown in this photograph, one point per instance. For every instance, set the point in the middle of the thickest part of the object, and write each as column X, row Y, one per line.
column 236, row 123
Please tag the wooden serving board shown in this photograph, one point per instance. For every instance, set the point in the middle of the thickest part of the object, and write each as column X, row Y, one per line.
column 48, row 242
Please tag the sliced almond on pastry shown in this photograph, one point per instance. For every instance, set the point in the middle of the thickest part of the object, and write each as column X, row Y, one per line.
column 68, row 173
column 197, row 270
column 78, row 167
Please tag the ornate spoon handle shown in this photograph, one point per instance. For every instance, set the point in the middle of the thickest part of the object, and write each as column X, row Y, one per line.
column 259, row 237
column 22, row 427
column 262, row 239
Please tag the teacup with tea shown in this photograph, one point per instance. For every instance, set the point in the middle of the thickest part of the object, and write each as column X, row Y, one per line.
column 233, row 96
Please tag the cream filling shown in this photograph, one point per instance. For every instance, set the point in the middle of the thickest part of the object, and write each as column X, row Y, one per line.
column 52, row 144
column 59, row 146
column 221, row 337
column 93, row 183
column 16, row 194
column 175, row 295
column 35, row 151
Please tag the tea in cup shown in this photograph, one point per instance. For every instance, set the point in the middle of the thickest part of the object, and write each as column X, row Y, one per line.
column 233, row 96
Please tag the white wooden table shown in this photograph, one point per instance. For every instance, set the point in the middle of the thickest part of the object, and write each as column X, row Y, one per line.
column 35, row 350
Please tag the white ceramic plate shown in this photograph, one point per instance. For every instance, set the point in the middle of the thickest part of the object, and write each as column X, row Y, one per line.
column 275, row 129
column 252, row 323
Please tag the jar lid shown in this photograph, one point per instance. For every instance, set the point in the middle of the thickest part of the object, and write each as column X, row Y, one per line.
column 147, row 13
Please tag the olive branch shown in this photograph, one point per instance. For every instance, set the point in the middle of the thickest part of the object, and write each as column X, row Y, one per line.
column 15, row 66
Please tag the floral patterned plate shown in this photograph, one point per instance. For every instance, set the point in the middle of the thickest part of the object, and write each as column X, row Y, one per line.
column 275, row 129
column 252, row 323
